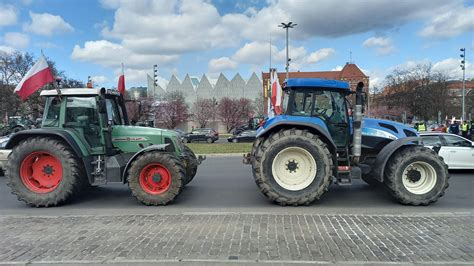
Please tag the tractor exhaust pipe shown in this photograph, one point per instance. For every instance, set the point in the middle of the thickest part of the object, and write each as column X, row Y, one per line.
column 357, row 123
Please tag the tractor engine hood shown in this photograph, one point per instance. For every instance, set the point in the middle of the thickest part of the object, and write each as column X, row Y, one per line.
column 135, row 138
column 386, row 129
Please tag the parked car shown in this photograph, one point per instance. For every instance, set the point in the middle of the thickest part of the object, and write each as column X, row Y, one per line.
column 201, row 134
column 457, row 152
column 3, row 154
column 244, row 136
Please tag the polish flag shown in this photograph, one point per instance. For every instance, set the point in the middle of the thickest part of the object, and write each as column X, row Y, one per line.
column 121, row 82
column 38, row 76
column 276, row 94
column 270, row 112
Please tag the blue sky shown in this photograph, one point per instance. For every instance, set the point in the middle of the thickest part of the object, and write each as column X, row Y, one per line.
column 92, row 38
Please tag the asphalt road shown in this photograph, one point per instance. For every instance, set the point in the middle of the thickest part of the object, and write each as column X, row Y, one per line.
column 225, row 185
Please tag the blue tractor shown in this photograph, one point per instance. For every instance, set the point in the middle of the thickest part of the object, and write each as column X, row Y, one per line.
column 320, row 139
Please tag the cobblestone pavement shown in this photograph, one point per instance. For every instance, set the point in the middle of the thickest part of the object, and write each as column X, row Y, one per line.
column 245, row 238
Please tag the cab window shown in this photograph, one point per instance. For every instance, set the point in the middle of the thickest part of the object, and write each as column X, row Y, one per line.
column 113, row 112
column 51, row 116
column 82, row 116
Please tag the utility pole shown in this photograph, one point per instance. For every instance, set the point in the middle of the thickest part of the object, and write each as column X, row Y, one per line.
column 463, row 67
column 287, row 26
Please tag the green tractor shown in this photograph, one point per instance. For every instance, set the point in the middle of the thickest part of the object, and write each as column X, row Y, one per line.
column 85, row 141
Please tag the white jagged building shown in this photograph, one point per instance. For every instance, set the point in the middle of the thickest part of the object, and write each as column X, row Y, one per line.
column 194, row 88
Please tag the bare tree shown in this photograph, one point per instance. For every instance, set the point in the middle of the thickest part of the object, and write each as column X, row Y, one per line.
column 172, row 110
column 234, row 112
column 203, row 111
column 259, row 105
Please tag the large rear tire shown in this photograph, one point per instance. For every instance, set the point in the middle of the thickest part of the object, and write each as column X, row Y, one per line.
column 43, row 172
column 191, row 164
column 416, row 175
column 292, row 166
column 156, row 178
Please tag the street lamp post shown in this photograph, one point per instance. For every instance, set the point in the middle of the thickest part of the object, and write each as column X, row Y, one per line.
column 287, row 26
column 463, row 67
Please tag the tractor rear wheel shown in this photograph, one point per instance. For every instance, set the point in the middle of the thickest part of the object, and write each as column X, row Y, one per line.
column 191, row 164
column 292, row 167
column 416, row 175
column 43, row 172
column 156, row 178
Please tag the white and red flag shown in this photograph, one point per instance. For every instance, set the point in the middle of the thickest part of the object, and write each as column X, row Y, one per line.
column 270, row 113
column 38, row 76
column 276, row 94
column 121, row 82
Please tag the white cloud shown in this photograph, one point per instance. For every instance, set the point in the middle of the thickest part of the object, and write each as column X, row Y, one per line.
column 111, row 54
column 450, row 23
column 221, row 64
column 450, row 67
column 320, row 55
column 47, row 24
column 382, row 45
column 16, row 39
column 8, row 15
column 99, row 79
column 255, row 53
column 6, row 49
column 258, row 54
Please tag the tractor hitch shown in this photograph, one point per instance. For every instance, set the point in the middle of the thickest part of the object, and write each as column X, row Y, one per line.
column 247, row 159
column 201, row 158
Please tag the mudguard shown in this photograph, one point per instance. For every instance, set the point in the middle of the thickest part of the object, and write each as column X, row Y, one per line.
column 44, row 132
column 159, row 147
column 283, row 121
column 385, row 154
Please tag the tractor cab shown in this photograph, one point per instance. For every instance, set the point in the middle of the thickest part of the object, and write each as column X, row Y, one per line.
column 87, row 112
column 322, row 102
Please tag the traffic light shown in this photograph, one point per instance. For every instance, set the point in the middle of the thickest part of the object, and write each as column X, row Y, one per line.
column 155, row 74
column 463, row 56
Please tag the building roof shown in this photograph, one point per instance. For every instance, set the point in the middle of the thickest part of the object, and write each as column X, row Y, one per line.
column 348, row 71
column 314, row 82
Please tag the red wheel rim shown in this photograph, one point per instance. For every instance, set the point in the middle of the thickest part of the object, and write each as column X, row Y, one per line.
column 41, row 172
column 155, row 179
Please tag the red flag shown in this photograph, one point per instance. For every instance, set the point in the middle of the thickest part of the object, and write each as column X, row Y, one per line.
column 38, row 76
column 121, row 82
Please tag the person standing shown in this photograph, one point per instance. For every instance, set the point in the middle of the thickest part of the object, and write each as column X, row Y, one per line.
column 421, row 127
column 454, row 128
column 464, row 129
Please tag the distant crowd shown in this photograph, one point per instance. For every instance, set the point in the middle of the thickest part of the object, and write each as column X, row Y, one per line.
column 464, row 129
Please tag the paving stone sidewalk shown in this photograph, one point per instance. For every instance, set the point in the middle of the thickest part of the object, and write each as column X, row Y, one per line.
column 246, row 238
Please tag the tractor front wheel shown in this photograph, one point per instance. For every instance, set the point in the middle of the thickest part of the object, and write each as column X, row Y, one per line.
column 43, row 172
column 156, row 178
column 416, row 175
column 292, row 167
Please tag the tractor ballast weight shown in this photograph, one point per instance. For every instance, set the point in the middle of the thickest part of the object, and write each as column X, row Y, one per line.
column 316, row 141
column 85, row 141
